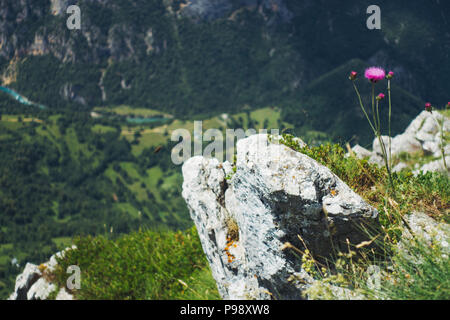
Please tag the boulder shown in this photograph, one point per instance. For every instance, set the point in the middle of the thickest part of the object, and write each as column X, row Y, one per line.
column 417, row 124
column 438, row 152
column 405, row 142
column 34, row 284
column 254, row 224
column 361, row 152
column 430, row 124
column 376, row 147
column 376, row 159
column 399, row 167
column 431, row 147
column 63, row 295
column 40, row 290
column 24, row 281
column 434, row 166
column 422, row 135
column 428, row 231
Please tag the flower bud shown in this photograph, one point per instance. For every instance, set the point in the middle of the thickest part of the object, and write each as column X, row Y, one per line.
column 353, row 75
column 390, row 75
column 428, row 107
column 380, row 96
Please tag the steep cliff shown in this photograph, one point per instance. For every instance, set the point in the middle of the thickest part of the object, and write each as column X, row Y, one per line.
column 226, row 46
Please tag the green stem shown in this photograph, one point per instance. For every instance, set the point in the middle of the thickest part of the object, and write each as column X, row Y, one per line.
column 389, row 123
column 378, row 120
column 388, row 169
column 441, row 127
column 362, row 107
column 373, row 105
column 383, row 147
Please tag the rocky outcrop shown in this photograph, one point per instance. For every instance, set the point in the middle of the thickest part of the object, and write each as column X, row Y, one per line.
column 35, row 283
column 423, row 135
column 255, row 220
column 428, row 231
column 24, row 281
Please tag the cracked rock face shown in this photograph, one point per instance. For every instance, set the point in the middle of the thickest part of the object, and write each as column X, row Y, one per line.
column 276, row 196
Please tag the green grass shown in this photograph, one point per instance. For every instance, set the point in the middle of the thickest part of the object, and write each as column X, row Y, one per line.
column 429, row 279
column 402, row 279
column 128, row 209
column 147, row 140
column 429, row 192
column 172, row 265
column 98, row 128
column 419, row 271
column 265, row 118
column 268, row 115
column 124, row 110
column 160, row 185
column 141, row 265
column 76, row 148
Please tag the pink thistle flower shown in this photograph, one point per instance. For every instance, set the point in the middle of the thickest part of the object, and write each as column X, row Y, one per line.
column 380, row 96
column 428, row 107
column 375, row 74
column 390, row 75
column 353, row 75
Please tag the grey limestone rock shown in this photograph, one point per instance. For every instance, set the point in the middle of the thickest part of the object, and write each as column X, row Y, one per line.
column 248, row 223
column 361, row 152
column 40, row 290
column 32, row 283
column 24, row 281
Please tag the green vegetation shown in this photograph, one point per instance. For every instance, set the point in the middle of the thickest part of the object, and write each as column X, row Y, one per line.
column 146, row 264
column 184, row 68
column 129, row 111
column 400, row 278
column 140, row 265
column 64, row 173
column 67, row 174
